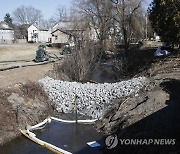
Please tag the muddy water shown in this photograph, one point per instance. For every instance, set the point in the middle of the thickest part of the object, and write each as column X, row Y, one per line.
column 70, row 137
column 104, row 72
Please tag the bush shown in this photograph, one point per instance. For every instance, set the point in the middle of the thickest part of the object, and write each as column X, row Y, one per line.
column 78, row 66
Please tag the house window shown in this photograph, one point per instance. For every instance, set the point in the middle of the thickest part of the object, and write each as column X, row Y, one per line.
column 56, row 37
column 35, row 35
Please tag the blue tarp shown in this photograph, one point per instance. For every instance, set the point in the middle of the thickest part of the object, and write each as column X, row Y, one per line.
column 160, row 52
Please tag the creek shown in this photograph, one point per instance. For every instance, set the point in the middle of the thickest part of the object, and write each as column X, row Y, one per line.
column 70, row 137
column 105, row 72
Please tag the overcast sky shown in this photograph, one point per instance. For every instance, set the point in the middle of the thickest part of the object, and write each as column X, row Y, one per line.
column 48, row 7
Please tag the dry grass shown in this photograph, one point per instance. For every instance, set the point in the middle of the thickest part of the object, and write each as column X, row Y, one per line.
column 34, row 91
column 19, row 106
column 18, row 47
column 17, row 51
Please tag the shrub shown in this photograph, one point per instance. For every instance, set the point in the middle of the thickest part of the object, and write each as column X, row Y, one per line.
column 78, row 66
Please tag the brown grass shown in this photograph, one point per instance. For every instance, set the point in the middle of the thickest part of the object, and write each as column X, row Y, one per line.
column 33, row 90
column 30, row 105
column 19, row 47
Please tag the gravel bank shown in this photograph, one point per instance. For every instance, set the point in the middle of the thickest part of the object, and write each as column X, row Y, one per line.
column 92, row 99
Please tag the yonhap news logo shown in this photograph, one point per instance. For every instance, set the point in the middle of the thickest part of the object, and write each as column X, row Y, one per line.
column 112, row 141
column 147, row 141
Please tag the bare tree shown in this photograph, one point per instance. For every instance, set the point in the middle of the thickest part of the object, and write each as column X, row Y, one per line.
column 60, row 15
column 46, row 24
column 109, row 19
column 128, row 23
column 27, row 15
column 52, row 21
column 99, row 15
column 128, row 19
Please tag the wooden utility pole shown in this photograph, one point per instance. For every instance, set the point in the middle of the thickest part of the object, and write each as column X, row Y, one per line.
column 146, row 25
column 75, row 108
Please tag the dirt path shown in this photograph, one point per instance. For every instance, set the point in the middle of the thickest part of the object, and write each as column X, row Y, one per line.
column 21, row 75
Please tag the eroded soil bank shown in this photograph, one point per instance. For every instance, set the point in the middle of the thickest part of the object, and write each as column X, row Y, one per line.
column 152, row 114
column 21, row 105
column 22, row 100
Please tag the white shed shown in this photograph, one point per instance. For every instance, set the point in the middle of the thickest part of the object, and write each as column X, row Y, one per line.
column 6, row 33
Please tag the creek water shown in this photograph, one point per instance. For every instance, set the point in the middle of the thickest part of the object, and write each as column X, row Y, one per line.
column 104, row 72
column 70, row 137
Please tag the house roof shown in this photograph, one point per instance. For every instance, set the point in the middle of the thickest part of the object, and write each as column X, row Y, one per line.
column 5, row 26
column 65, row 25
column 61, row 31
column 70, row 26
column 39, row 27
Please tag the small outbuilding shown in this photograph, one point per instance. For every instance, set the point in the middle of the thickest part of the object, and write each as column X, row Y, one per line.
column 61, row 37
column 6, row 33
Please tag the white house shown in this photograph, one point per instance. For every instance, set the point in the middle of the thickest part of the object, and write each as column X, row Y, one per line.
column 36, row 34
column 6, row 33
column 156, row 37
column 93, row 32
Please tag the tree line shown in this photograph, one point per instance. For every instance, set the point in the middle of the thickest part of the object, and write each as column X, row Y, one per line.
column 124, row 21
column 165, row 19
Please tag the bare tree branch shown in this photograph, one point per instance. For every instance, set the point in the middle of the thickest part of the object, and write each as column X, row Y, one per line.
column 27, row 15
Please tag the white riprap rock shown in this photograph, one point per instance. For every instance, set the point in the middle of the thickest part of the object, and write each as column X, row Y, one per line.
column 92, row 99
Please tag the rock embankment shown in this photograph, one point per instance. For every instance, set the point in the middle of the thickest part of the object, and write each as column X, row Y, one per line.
column 92, row 99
